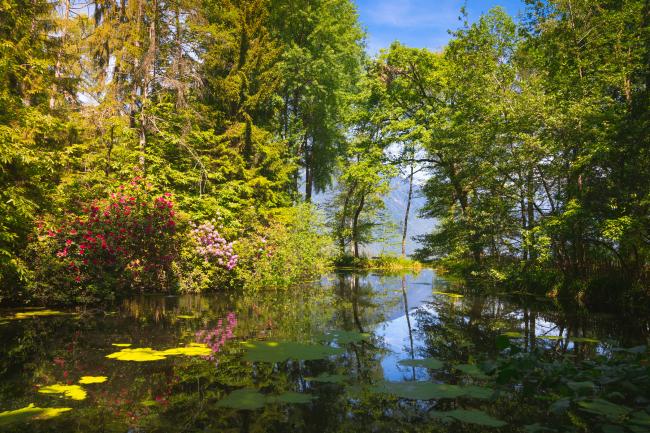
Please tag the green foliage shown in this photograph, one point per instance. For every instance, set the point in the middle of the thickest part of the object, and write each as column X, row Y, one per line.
column 291, row 248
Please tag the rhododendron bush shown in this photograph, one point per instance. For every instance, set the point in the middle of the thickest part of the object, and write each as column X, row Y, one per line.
column 127, row 239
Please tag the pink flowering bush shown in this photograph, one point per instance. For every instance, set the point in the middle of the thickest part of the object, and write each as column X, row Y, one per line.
column 216, row 337
column 127, row 240
column 213, row 247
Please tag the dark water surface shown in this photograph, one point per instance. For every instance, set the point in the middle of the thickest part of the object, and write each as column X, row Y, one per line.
column 320, row 358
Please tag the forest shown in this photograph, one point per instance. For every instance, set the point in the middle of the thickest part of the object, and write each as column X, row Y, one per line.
column 192, row 194
column 177, row 146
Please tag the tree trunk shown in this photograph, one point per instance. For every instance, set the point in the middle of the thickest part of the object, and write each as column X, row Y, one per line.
column 406, row 214
column 355, row 225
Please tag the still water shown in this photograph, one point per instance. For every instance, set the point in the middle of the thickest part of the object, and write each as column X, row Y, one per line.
column 338, row 355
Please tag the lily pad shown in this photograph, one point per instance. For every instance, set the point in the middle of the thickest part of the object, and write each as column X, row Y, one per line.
column 581, row 387
column 145, row 354
column 251, row 399
column 431, row 363
column 538, row 428
column 30, row 412
column 75, row 392
column 246, row 398
column 87, row 380
column 450, row 295
column 271, row 351
column 142, row 354
column 291, row 398
column 121, row 344
column 328, row 378
column 186, row 316
column 605, row 408
column 430, row 391
column 191, row 350
column 477, row 417
column 550, row 337
column 471, row 370
column 641, row 419
column 39, row 313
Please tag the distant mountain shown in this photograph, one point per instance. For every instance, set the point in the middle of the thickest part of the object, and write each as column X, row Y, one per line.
column 395, row 207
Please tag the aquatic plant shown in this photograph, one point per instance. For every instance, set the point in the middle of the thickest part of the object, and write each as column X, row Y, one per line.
column 146, row 354
column 249, row 398
column 30, row 412
column 75, row 392
column 87, row 380
column 272, row 351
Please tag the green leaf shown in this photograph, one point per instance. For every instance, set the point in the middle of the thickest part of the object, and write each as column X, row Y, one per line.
column 581, row 387
column 271, row 351
column 605, row 408
column 477, row 417
column 250, row 399
column 328, row 378
column 537, row 428
column 471, row 370
column 429, row 391
column 246, row 398
column 291, row 397
column 609, row 428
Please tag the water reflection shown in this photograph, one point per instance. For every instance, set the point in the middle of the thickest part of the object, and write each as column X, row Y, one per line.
column 406, row 317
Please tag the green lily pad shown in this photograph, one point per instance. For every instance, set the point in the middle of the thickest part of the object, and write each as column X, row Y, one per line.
column 346, row 337
column 429, row 390
column 246, row 398
column 251, row 399
column 537, row 428
column 432, row 363
column 75, row 392
column 641, row 419
column 328, row 378
column 471, row 370
column 291, row 398
column 550, row 337
column 605, row 408
column 29, row 413
column 477, row 417
column 186, row 316
column 271, row 351
column 581, row 387
column 121, row 344
column 87, row 380
column 609, row 428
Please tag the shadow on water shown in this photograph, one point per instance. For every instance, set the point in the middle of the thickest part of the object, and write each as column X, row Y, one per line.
column 335, row 356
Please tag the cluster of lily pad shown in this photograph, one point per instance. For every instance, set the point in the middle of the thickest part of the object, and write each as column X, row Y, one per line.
column 145, row 354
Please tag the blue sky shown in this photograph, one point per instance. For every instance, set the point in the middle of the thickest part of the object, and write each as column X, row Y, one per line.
column 420, row 23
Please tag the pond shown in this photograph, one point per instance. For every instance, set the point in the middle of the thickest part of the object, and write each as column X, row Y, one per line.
column 352, row 352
